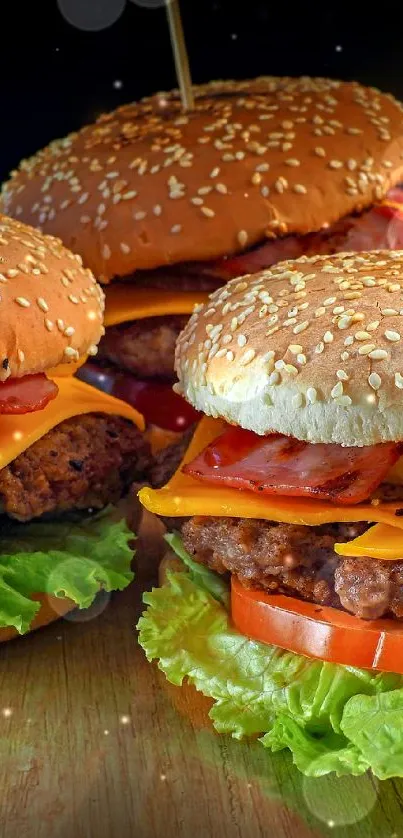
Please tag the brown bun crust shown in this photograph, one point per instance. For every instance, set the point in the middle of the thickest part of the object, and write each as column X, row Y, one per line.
column 147, row 185
column 52, row 608
column 51, row 308
column 312, row 348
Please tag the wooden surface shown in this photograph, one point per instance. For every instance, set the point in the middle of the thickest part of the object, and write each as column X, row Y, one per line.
column 94, row 742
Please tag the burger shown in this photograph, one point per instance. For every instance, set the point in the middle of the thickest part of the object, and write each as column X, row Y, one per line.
column 68, row 452
column 164, row 206
column 282, row 595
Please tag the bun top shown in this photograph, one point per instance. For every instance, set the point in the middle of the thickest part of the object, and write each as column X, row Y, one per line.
column 51, row 308
column 148, row 185
column 312, row 348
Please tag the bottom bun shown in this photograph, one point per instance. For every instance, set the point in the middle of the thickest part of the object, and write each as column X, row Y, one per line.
column 52, row 608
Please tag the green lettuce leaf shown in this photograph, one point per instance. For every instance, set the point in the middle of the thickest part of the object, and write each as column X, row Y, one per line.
column 73, row 559
column 199, row 573
column 331, row 718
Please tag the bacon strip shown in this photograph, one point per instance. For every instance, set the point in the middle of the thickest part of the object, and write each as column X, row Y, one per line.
column 281, row 465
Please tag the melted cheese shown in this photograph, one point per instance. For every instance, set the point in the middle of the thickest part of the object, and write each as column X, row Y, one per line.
column 379, row 542
column 66, row 369
column 184, row 496
column 125, row 302
column 17, row 433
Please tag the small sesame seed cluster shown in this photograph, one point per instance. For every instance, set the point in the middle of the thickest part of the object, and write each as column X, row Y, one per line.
column 303, row 349
column 148, row 185
column 51, row 308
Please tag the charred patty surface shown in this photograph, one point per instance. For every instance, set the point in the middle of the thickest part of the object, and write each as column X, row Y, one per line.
column 85, row 462
column 299, row 561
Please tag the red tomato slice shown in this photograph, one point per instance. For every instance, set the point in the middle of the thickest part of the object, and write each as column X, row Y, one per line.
column 27, row 394
column 154, row 399
column 316, row 631
column 281, row 465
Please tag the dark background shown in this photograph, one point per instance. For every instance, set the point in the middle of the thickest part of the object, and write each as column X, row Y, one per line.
column 55, row 77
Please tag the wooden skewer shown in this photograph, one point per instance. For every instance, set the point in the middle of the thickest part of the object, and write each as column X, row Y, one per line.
column 180, row 54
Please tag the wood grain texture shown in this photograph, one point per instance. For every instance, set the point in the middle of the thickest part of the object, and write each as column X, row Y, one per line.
column 94, row 742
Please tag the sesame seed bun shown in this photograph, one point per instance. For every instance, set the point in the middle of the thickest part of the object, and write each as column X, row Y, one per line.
column 312, row 348
column 147, row 185
column 51, row 308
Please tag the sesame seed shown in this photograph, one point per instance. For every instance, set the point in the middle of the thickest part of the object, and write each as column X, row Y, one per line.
column 301, row 327
column 274, row 377
column 366, row 348
column 335, row 164
column 69, row 331
column 399, row 380
column 197, row 201
column 125, row 248
column 344, row 322
column 301, row 358
column 220, row 187
column 328, row 337
column 392, row 336
column 138, row 216
column 292, row 161
column 256, row 179
column 374, row 380
column 247, row 357
column 70, row 352
column 92, row 350
column 209, row 213
column 157, row 209
column 295, row 348
column 241, row 340
column 373, row 325
column 23, row 302
column 42, row 304
column 378, row 354
column 230, row 355
column 242, row 237
column 344, row 356
column 48, row 324
column 311, row 395
column 300, row 188
column 319, row 151
column 106, row 251
column 73, row 299
column 176, row 228
column 319, row 348
column 337, row 390
column 342, row 375
column 349, row 340
column 215, row 172
column 362, row 335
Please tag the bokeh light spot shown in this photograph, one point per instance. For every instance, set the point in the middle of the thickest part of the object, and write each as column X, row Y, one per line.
column 91, row 15
column 340, row 801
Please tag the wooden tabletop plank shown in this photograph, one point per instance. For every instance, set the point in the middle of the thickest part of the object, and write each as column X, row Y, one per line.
column 95, row 742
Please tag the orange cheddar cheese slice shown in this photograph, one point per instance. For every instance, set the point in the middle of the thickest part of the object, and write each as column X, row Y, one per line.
column 184, row 496
column 125, row 302
column 379, row 542
column 19, row 432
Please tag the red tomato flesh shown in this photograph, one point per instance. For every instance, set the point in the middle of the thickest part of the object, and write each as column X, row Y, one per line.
column 317, row 631
column 154, row 399
column 26, row 394
column 281, row 465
